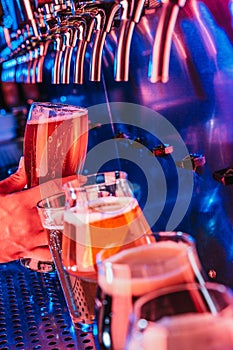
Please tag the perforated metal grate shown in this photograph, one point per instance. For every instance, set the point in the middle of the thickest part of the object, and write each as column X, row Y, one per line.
column 33, row 313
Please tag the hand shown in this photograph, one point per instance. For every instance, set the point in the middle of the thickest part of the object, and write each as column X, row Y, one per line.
column 16, row 181
column 22, row 234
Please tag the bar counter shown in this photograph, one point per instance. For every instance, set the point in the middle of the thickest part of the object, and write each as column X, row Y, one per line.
column 33, row 312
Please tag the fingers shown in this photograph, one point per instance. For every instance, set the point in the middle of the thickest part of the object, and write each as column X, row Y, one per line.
column 15, row 182
column 21, row 228
column 41, row 253
column 33, row 195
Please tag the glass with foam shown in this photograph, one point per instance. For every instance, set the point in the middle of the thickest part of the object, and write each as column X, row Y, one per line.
column 55, row 146
column 78, row 295
column 103, row 213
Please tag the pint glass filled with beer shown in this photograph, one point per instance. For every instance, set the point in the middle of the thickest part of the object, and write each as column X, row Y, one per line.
column 55, row 146
column 122, row 278
column 55, row 141
column 102, row 213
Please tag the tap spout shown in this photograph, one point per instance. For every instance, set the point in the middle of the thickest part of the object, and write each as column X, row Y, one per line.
column 131, row 15
column 33, row 67
column 159, row 65
column 104, row 18
column 86, row 25
column 70, row 42
column 59, row 46
column 43, row 49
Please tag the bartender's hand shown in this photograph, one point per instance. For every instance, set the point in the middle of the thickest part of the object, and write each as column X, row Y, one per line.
column 16, row 181
column 21, row 232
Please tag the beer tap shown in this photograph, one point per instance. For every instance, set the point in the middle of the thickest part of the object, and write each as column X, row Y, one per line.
column 43, row 49
column 49, row 27
column 88, row 24
column 34, row 65
column 159, row 65
column 27, row 37
column 65, row 39
column 39, row 49
column 131, row 15
column 105, row 14
column 47, row 22
column 70, row 37
column 29, row 57
column 27, row 9
column 59, row 47
column 6, row 31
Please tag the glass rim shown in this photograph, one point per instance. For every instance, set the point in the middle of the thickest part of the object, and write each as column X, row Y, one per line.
column 188, row 238
column 58, row 105
column 205, row 286
column 109, row 262
column 39, row 204
column 123, row 176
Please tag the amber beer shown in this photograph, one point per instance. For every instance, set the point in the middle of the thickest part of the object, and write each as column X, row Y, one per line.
column 135, row 272
column 55, row 145
column 110, row 222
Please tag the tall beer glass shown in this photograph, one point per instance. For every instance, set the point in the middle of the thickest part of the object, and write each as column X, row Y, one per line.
column 55, row 146
column 77, row 294
column 103, row 213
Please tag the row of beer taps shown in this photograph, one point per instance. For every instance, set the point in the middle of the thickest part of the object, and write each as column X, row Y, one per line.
column 68, row 27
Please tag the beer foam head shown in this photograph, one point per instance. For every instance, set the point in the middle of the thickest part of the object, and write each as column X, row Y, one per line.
column 42, row 112
column 108, row 222
column 139, row 270
column 99, row 210
column 149, row 254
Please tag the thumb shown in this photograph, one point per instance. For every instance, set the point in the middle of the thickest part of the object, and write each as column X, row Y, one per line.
column 31, row 196
column 15, row 182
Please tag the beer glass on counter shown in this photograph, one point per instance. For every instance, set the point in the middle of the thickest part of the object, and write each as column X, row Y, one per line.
column 77, row 293
column 55, row 146
column 184, row 317
column 122, row 278
column 103, row 213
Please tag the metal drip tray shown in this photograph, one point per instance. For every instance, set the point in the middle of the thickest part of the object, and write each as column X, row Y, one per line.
column 33, row 312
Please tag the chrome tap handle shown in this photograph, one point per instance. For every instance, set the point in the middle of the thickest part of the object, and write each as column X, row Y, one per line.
column 59, row 48
column 88, row 24
column 159, row 65
column 105, row 15
column 132, row 11
column 43, row 49
column 70, row 42
column 29, row 16
column 29, row 63
column 33, row 69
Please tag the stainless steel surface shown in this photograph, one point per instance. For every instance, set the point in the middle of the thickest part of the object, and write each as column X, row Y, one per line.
column 33, row 313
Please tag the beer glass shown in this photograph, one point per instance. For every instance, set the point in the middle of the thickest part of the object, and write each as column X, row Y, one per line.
column 55, row 145
column 76, row 291
column 184, row 317
column 103, row 213
column 124, row 277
